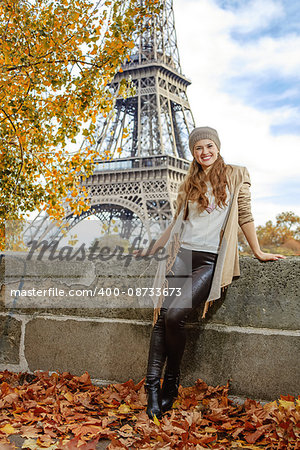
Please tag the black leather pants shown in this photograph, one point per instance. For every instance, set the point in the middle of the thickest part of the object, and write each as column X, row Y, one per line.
column 192, row 273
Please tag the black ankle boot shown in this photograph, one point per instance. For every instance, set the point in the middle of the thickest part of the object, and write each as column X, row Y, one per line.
column 169, row 390
column 153, row 390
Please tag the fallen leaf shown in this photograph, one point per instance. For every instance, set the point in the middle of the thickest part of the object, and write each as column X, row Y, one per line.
column 124, row 409
column 30, row 444
column 156, row 421
column 251, row 438
column 210, row 430
column 8, row 429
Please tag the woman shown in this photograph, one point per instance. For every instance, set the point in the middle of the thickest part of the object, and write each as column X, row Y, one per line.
column 201, row 244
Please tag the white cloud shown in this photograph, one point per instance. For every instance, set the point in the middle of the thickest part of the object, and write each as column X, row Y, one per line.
column 268, row 55
column 208, row 56
column 283, row 114
column 263, row 211
column 256, row 15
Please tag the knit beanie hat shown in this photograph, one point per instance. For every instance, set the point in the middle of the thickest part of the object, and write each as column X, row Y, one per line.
column 203, row 133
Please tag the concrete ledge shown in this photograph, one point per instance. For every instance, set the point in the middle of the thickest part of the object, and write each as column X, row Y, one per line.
column 266, row 295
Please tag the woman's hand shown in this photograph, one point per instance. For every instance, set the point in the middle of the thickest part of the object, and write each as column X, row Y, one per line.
column 248, row 229
column 262, row 256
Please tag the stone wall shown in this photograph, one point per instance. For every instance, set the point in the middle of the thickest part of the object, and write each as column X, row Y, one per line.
column 250, row 336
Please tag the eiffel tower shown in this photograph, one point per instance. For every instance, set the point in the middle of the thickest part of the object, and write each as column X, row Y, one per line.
column 137, row 191
column 151, row 127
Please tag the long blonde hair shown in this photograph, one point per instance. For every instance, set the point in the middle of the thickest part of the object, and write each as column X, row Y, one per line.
column 194, row 185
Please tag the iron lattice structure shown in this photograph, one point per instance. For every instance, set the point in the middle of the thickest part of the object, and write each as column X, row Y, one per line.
column 151, row 127
column 158, row 117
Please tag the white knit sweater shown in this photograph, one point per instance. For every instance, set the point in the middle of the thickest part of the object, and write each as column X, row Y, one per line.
column 202, row 229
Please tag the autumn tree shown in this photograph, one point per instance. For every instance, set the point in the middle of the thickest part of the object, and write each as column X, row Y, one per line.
column 274, row 237
column 57, row 59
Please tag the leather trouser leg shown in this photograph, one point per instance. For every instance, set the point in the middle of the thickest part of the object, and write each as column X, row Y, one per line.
column 194, row 293
column 168, row 336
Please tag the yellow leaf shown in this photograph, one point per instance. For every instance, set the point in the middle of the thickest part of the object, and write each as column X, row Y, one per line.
column 69, row 397
column 286, row 405
column 8, row 429
column 124, row 409
column 156, row 421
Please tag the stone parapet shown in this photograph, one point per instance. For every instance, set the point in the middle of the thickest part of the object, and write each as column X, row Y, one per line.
column 250, row 336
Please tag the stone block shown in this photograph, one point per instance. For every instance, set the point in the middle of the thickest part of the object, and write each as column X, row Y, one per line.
column 107, row 350
column 265, row 296
column 10, row 335
column 260, row 366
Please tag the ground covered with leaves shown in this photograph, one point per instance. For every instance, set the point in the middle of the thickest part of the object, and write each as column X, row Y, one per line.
column 62, row 411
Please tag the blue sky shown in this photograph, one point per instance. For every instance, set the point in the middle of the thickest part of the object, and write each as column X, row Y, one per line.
column 243, row 58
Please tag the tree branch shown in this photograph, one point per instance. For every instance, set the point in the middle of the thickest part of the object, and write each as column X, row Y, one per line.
column 21, row 148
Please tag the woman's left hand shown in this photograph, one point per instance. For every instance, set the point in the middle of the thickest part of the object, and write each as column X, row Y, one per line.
column 262, row 256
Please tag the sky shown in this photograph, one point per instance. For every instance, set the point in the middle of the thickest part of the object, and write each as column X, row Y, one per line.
column 243, row 59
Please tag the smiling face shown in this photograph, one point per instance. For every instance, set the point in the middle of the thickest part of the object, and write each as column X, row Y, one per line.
column 205, row 152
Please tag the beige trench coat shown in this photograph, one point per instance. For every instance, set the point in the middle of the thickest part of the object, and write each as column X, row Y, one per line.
column 227, row 265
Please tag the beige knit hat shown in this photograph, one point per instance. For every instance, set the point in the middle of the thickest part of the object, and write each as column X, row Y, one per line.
column 203, row 133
